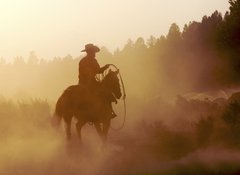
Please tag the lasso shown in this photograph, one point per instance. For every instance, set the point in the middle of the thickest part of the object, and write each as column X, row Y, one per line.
column 124, row 101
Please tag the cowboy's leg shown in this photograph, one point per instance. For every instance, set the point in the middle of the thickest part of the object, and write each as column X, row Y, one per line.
column 113, row 112
column 112, row 100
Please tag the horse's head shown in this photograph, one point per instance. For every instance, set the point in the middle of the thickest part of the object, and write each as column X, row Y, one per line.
column 111, row 82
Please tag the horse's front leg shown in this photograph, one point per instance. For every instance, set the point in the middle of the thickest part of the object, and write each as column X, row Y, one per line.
column 99, row 129
column 106, row 126
column 68, row 120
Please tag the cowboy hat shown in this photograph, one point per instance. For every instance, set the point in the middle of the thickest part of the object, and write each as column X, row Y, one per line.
column 91, row 47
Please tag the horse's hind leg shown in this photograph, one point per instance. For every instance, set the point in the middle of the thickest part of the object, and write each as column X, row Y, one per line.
column 79, row 126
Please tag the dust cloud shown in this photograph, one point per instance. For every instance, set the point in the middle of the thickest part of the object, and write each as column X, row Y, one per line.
column 148, row 144
column 183, row 106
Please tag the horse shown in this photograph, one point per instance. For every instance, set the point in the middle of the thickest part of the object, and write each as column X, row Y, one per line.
column 88, row 105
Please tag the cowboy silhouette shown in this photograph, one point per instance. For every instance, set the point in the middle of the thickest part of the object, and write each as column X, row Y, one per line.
column 89, row 68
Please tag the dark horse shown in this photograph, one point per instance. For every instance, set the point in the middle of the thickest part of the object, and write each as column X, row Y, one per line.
column 88, row 105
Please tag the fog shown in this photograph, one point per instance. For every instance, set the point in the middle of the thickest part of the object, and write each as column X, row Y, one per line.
column 183, row 106
column 158, row 138
column 171, row 127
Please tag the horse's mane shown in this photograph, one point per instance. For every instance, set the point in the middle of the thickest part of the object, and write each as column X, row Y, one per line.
column 107, row 76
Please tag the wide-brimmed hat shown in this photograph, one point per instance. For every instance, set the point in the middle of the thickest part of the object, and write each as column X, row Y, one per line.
column 91, row 47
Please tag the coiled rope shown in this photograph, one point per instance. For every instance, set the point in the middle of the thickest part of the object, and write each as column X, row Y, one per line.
column 124, row 100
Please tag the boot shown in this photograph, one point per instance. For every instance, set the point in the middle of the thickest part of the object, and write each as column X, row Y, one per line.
column 113, row 114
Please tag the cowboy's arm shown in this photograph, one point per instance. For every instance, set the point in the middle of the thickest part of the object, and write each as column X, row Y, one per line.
column 102, row 69
column 99, row 69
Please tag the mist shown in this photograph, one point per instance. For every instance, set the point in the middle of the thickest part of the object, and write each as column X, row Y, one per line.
column 183, row 106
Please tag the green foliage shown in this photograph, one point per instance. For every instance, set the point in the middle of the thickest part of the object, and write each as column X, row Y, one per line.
column 232, row 114
column 231, row 117
column 174, row 34
column 18, row 116
column 204, row 55
column 160, row 140
column 204, row 130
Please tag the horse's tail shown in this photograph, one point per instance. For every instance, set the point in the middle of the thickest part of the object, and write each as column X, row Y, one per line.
column 64, row 105
column 59, row 111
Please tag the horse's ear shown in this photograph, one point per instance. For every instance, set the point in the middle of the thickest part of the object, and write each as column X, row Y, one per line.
column 116, row 72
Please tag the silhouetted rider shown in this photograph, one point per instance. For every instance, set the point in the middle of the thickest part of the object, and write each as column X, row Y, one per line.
column 89, row 67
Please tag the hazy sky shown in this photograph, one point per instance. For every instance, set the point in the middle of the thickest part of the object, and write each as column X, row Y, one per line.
column 60, row 27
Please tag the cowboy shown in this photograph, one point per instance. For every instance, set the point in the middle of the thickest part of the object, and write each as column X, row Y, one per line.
column 89, row 67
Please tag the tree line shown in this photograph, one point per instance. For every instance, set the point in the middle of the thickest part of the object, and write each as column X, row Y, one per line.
column 203, row 56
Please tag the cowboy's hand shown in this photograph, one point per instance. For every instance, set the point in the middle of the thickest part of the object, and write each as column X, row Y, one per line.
column 108, row 65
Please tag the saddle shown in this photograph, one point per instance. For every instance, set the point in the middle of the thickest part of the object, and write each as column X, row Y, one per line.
column 96, row 105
